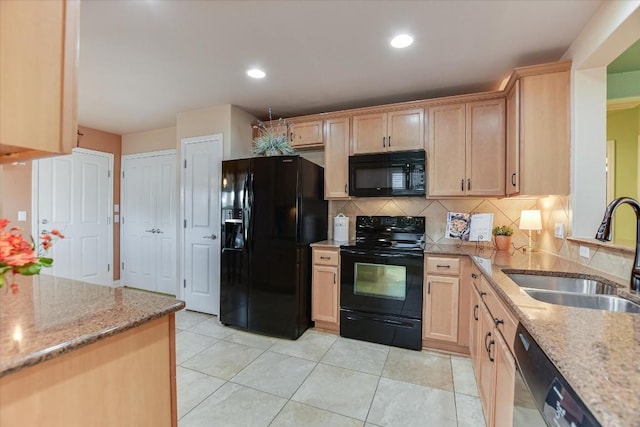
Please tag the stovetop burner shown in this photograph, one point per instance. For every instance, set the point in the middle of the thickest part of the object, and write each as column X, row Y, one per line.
column 404, row 233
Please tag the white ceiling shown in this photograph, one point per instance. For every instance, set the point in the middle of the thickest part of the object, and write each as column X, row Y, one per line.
column 142, row 62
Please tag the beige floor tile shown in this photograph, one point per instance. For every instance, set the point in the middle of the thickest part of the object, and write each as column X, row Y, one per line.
column 469, row 411
column 419, row 367
column 212, row 328
column 223, row 359
column 400, row 404
column 193, row 388
column 339, row 390
column 275, row 373
column 312, row 345
column 296, row 414
column 463, row 378
column 357, row 355
column 233, row 405
column 252, row 340
column 188, row 344
column 186, row 319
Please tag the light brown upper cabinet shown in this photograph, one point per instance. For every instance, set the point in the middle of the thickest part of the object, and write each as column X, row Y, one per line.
column 306, row 134
column 336, row 159
column 538, row 130
column 391, row 131
column 466, row 149
column 38, row 67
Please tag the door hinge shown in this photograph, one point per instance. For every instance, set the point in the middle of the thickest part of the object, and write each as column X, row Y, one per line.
column 108, row 174
column 123, row 265
column 122, row 174
column 108, row 267
column 184, row 283
column 185, row 163
column 185, row 223
column 108, row 220
column 122, row 220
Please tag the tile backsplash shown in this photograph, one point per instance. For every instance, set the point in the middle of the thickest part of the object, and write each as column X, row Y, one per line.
column 553, row 209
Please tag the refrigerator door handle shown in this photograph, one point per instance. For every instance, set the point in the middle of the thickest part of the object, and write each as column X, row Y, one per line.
column 245, row 189
column 250, row 211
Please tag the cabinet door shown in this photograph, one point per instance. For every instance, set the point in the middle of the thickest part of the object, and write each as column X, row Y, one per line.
column 324, row 296
column 485, row 142
column 336, row 159
column 512, row 184
column 486, row 362
column 504, row 383
column 446, row 150
column 474, row 328
column 440, row 316
column 369, row 133
column 544, row 129
column 308, row 134
column 405, row 130
column 38, row 65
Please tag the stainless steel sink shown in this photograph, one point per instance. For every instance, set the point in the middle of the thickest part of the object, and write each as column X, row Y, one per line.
column 598, row 302
column 562, row 284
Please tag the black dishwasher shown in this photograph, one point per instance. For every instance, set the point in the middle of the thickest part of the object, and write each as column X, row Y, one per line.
column 543, row 386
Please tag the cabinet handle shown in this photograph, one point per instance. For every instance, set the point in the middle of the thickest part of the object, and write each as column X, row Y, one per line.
column 513, row 179
column 345, row 188
column 498, row 321
column 469, row 184
column 291, row 137
column 489, row 350
column 334, row 278
column 325, row 257
column 474, row 275
column 486, row 337
column 443, row 266
column 475, row 312
column 384, row 141
column 462, row 184
column 429, row 287
column 482, row 294
column 389, row 141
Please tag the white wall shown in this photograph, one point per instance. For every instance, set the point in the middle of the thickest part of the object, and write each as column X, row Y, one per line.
column 153, row 140
column 614, row 27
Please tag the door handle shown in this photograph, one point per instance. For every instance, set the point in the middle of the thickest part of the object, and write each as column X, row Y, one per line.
column 153, row 230
column 159, row 231
column 44, row 221
column 429, row 287
column 334, row 278
column 513, row 179
column 492, row 342
column 212, row 237
column 469, row 184
column 475, row 312
column 43, row 232
column 462, row 184
column 389, row 145
column 486, row 337
column 384, row 141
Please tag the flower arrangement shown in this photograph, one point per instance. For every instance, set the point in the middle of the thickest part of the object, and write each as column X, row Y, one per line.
column 17, row 256
column 270, row 141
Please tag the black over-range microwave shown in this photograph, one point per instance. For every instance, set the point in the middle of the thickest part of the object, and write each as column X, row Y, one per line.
column 400, row 173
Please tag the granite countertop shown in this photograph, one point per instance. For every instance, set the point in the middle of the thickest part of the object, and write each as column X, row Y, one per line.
column 51, row 316
column 598, row 352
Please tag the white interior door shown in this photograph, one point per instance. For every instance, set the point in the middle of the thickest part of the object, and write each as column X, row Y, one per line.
column 201, row 187
column 74, row 195
column 148, row 227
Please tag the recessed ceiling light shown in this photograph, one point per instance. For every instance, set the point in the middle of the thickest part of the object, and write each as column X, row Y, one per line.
column 256, row 73
column 402, row 40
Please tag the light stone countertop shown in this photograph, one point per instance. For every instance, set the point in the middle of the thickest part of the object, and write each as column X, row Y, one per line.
column 598, row 352
column 51, row 316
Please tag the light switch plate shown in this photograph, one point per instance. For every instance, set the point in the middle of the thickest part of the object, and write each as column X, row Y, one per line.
column 584, row 251
column 22, row 215
column 558, row 230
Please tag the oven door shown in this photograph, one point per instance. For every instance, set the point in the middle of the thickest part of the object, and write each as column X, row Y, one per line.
column 386, row 282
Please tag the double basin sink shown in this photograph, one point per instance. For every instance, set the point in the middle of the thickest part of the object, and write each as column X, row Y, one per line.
column 574, row 292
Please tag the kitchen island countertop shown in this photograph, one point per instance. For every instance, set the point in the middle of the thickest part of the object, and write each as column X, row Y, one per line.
column 51, row 316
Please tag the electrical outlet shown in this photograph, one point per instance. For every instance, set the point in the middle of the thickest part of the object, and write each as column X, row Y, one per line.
column 558, row 230
column 584, row 251
column 22, row 215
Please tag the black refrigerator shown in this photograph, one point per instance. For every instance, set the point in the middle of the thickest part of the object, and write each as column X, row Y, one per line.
column 272, row 209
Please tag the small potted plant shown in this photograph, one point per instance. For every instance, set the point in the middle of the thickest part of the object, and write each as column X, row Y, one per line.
column 271, row 142
column 502, row 236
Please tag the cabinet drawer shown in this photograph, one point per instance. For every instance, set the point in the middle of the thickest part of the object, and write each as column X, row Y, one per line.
column 326, row 257
column 503, row 319
column 441, row 265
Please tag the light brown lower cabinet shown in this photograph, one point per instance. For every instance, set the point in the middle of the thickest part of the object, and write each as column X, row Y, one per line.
column 126, row 379
column 446, row 297
column 325, row 289
column 492, row 360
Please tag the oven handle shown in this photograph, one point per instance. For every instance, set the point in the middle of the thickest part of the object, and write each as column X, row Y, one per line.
column 372, row 253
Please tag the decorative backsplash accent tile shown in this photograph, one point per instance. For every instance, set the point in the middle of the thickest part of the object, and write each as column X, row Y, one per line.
column 553, row 209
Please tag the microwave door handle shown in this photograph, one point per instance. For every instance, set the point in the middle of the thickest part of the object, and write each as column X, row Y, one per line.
column 407, row 175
